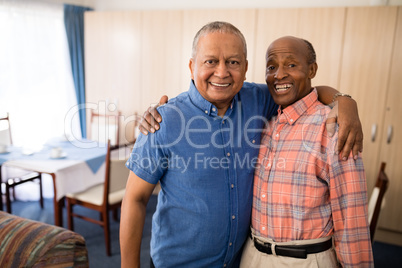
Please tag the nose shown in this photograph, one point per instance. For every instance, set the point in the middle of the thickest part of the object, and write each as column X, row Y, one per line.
column 280, row 73
column 221, row 70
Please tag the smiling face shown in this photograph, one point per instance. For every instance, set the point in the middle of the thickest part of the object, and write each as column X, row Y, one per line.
column 288, row 73
column 218, row 68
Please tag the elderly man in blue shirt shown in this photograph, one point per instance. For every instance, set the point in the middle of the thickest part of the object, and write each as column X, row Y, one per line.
column 204, row 157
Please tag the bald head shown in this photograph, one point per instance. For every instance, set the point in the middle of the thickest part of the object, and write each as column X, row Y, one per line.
column 305, row 46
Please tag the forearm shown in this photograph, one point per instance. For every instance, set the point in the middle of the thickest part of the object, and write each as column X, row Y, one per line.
column 326, row 94
column 131, row 228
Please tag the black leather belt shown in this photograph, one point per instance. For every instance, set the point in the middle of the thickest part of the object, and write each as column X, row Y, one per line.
column 294, row 251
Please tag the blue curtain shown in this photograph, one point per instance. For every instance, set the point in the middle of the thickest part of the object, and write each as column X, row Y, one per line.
column 74, row 23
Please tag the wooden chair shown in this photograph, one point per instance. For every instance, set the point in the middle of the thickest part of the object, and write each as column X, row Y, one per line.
column 103, row 197
column 376, row 198
column 105, row 127
column 10, row 176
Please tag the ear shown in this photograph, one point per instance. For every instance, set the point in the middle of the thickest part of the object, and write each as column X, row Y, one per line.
column 313, row 70
column 191, row 65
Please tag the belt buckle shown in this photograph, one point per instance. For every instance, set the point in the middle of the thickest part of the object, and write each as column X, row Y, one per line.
column 284, row 251
column 291, row 252
column 262, row 247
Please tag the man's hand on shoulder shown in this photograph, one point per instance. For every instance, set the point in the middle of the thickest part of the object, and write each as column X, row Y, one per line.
column 151, row 118
column 350, row 133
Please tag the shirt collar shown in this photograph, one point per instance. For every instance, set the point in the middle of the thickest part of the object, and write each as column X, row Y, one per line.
column 297, row 109
column 204, row 105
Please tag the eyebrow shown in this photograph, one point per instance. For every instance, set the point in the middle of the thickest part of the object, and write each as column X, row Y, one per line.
column 290, row 57
column 239, row 56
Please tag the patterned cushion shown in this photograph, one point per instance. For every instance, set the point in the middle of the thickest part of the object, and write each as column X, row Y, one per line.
column 28, row 243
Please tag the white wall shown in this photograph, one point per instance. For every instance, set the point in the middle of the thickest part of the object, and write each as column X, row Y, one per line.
column 214, row 4
column 106, row 5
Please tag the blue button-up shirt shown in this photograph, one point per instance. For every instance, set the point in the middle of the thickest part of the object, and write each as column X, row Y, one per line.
column 205, row 165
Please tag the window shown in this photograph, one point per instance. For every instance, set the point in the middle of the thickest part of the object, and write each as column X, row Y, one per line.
column 36, row 84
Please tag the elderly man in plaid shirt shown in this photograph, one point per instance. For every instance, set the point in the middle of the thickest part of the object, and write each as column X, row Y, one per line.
column 310, row 206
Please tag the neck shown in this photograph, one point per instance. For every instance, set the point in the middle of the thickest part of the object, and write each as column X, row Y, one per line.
column 222, row 108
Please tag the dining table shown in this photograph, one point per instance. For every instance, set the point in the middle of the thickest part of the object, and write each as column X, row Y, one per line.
column 77, row 166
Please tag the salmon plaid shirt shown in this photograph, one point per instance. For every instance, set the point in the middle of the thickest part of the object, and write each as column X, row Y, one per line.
column 303, row 190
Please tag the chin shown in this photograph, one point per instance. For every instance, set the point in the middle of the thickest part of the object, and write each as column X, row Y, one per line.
column 283, row 103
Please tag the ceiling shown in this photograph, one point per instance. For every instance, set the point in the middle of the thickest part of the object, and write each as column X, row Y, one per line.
column 106, row 5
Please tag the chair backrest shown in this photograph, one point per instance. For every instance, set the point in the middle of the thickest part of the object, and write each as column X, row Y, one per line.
column 105, row 127
column 116, row 173
column 5, row 130
column 376, row 199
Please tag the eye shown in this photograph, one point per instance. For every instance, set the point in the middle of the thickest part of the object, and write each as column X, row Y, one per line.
column 234, row 62
column 292, row 65
column 270, row 68
column 211, row 63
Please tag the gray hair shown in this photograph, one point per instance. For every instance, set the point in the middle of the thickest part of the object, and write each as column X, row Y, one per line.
column 221, row 27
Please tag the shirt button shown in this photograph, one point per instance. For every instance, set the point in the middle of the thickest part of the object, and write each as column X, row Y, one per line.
column 269, row 164
column 228, row 154
column 291, row 120
column 223, row 122
column 253, row 141
column 206, row 111
column 213, row 109
column 230, row 244
column 233, row 217
column 263, row 196
column 224, row 265
column 232, row 186
column 277, row 135
column 263, row 228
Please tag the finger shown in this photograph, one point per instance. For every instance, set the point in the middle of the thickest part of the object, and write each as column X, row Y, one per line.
column 359, row 139
column 145, row 124
column 143, row 130
column 355, row 151
column 334, row 111
column 331, row 126
column 151, row 115
column 347, row 148
column 343, row 134
column 358, row 146
column 163, row 100
column 155, row 117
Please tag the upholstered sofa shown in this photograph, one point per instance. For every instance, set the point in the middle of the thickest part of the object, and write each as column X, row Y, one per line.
column 28, row 243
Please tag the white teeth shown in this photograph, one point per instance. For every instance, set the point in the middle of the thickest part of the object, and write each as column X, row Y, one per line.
column 219, row 85
column 281, row 88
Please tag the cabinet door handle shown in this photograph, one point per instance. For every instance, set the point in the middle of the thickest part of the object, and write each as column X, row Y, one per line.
column 373, row 132
column 389, row 135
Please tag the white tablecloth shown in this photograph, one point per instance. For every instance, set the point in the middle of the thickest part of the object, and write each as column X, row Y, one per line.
column 71, row 175
column 79, row 169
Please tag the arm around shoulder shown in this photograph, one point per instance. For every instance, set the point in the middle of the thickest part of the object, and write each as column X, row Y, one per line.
column 133, row 212
column 350, row 128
